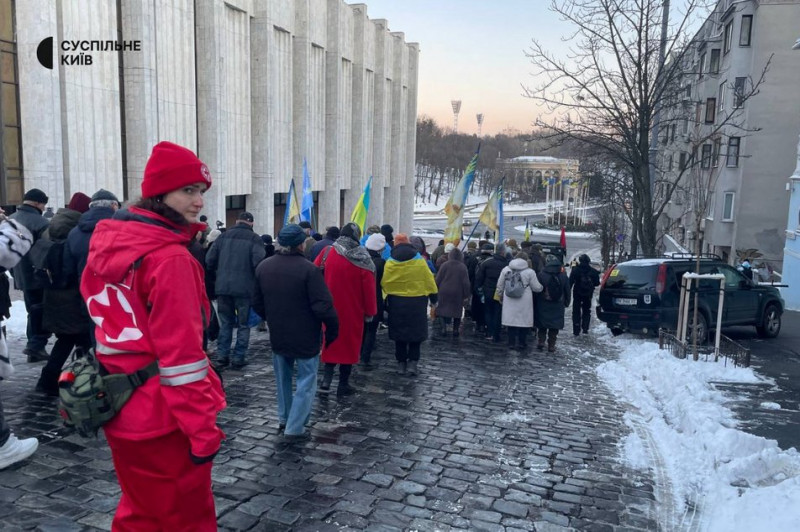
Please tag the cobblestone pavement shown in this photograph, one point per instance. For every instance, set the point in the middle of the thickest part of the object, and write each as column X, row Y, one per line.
column 482, row 439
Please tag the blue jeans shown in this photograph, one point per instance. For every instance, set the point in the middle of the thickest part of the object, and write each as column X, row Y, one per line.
column 295, row 409
column 233, row 312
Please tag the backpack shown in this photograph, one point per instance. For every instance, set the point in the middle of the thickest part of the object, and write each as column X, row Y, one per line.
column 514, row 287
column 552, row 288
column 15, row 242
column 89, row 397
column 585, row 284
column 47, row 257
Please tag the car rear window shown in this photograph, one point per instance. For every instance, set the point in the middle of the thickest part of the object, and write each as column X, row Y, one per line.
column 632, row 276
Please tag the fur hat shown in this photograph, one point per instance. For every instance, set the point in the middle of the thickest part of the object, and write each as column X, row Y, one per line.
column 79, row 202
column 449, row 247
column 401, row 238
column 376, row 242
column 171, row 167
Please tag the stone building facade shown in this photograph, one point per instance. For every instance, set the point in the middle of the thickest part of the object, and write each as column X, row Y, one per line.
column 252, row 86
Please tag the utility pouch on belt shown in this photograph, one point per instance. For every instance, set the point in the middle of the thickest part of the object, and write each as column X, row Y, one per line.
column 89, row 396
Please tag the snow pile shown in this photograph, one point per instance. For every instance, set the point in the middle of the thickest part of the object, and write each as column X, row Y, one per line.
column 683, row 430
column 17, row 324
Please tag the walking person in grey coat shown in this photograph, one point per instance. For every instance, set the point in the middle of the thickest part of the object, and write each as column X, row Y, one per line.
column 517, row 312
column 551, row 302
column 452, row 279
column 233, row 258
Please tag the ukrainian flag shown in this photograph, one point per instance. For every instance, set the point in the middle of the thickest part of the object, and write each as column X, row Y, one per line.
column 292, row 215
column 361, row 209
column 527, row 232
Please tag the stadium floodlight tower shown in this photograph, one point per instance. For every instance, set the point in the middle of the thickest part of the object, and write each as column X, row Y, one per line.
column 479, row 116
column 456, row 109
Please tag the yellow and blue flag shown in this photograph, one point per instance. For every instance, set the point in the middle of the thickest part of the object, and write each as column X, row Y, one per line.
column 527, row 232
column 307, row 205
column 455, row 204
column 361, row 209
column 292, row 214
column 492, row 215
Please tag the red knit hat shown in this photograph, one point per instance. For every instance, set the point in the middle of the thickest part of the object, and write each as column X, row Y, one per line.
column 171, row 167
column 79, row 202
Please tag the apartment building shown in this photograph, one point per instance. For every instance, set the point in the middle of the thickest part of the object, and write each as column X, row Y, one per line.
column 731, row 134
column 252, row 86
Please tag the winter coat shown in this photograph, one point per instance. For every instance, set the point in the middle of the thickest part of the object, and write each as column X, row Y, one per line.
column 353, row 291
column 317, row 248
column 77, row 249
column 518, row 312
column 380, row 263
column 550, row 314
column 32, row 218
column 147, row 252
column 234, row 257
column 488, row 274
column 408, row 285
column 291, row 295
column 64, row 309
column 576, row 276
column 453, row 283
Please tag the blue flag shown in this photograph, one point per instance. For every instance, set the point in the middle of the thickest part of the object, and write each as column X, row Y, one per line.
column 307, row 205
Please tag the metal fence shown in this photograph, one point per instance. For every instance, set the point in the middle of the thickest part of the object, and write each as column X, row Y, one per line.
column 730, row 350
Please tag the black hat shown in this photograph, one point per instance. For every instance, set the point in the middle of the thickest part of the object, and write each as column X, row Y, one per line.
column 387, row 230
column 584, row 259
column 332, row 232
column 104, row 194
column 305, row 224
column 245, row 217
column 352, row 231
column 266, row 239
column 291, row 236
column 36, row 196
column 487, row 248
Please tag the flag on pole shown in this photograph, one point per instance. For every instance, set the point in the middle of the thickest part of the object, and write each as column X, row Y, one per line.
column 499, row 237
column 490, row 214
column 527, row 232
column 292, row 214
column 361, row 209
column 307, row 205
column 455, row 204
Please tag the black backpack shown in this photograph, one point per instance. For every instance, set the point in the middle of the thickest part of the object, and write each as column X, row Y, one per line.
column 552, row 288
column 585, row 284
column 47, row 257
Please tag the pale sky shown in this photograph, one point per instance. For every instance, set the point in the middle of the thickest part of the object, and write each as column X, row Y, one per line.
column 472, row 50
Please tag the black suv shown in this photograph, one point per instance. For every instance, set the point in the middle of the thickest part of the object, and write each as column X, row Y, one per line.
column 642, row 296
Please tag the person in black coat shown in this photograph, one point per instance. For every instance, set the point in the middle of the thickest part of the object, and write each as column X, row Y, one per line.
column 477, row 310
column 269, row 247
column 486, row 280
column 331, row 234
column 583, row 279
column 375, row 244
column 29, row 214
column 102, row 206
column 550, row 304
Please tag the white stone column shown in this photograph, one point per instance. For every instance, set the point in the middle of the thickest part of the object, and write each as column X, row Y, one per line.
column 407, row 191
column 40, row 100
column 381, row 139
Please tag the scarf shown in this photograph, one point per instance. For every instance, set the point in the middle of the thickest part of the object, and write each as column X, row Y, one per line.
column 353, row 252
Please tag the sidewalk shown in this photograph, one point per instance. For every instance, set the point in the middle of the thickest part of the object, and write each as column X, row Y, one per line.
column 482, row 439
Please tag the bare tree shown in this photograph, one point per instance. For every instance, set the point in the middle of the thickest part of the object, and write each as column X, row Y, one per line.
column 625, row 64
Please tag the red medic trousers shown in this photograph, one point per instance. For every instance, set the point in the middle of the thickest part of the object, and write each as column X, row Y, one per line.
column 162, row 489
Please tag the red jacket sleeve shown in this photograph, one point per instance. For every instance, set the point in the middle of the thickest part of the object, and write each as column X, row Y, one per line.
column 188, row 384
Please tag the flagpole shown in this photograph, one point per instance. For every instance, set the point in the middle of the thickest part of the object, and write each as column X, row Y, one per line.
column 474, row 227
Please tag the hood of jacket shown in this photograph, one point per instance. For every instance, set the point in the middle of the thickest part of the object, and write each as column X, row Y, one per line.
column 131, row 234
column 554, row 269
column 62, row 223
column 404, row 252
column 90, row 218
column 518, row 264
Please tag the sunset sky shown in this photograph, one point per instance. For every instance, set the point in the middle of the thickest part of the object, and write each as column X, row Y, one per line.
column 472, row 50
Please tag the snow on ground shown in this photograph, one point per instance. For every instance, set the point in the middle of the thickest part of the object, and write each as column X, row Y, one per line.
column 18, row 322
column 681, row 425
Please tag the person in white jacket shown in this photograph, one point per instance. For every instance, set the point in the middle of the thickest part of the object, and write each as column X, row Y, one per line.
column 517, row 313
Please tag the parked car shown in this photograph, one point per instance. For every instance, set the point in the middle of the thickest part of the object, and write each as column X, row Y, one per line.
column 642, row 296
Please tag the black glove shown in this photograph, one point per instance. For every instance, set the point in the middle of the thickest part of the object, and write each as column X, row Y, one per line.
column 330, row 337
column 200, row 460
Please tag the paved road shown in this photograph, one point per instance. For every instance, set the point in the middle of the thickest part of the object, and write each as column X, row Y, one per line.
column 483, row 439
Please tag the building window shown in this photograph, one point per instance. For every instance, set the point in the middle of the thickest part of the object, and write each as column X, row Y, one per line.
column 706, row 161
column 726, row 42
column 682, row 161
column 710, row 208
column 721, row 96
column 687, row 92
column 702, row 66
column 746, row 30
column 685, row 126
column 711, row 108
column 738, row 92
column 715, row 153
column 673, row 127
column 733, row 152
column 669, row 163
column 727, row 206
column 713, row 65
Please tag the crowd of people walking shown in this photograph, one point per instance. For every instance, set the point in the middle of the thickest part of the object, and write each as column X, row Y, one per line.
column 135, row 288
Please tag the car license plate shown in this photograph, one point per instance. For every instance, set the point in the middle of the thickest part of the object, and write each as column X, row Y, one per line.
column 625, row 301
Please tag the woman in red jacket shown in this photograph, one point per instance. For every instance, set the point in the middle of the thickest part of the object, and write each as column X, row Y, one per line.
column 145, row 293
column 350, row 276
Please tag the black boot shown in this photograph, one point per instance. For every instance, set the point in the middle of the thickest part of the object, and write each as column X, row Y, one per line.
column 344, row 380
column 327, row 378
column 48, row 382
